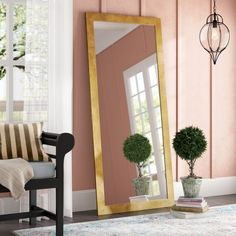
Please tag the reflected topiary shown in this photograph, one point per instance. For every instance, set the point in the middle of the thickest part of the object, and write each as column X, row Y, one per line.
column 137, row 149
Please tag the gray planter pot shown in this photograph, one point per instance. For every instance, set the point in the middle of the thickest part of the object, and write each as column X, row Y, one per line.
column 142, row 185
column 191, row 186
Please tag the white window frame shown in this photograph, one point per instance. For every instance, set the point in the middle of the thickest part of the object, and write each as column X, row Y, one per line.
column 133, row 71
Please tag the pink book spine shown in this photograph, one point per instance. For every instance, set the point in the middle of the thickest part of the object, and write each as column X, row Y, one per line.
column 190, row 203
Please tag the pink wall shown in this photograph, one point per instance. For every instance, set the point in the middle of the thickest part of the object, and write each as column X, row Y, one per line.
column 115, row 126
column 198, row 93
column 224, row 101
column 193, row 84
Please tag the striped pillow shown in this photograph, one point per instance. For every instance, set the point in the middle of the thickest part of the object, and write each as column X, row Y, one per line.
column 22, row 140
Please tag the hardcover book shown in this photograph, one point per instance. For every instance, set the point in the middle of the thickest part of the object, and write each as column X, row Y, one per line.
column 192, row 204
column 197, row 199
column 190, row 209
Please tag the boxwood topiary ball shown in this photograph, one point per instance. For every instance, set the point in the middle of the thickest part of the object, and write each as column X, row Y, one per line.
column 189, row 143
column 137, row 148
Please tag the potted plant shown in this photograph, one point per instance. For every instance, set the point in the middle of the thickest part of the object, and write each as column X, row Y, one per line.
column 137, row 149
column 189, row 144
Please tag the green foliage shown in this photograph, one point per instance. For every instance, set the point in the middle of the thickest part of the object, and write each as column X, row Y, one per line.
column 137, row 149
column 18, row 31
column 2, row 72
column 3, row 11
column 189, row 143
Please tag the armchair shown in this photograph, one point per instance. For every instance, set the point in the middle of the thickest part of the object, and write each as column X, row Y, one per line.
column 64, row 143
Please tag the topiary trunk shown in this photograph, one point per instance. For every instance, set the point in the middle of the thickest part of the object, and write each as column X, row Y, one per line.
column 191, row 168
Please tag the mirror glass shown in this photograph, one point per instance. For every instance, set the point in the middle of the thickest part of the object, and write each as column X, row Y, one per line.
column 129, row 98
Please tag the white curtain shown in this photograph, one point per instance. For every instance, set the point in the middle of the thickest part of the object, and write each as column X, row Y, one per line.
column 48, row 84
column 61, row 79
column 36, row 77
column 36, row 61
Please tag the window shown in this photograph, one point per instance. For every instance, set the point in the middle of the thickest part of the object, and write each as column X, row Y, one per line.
column 23, row 60
column 143, row 99
column 26, row 92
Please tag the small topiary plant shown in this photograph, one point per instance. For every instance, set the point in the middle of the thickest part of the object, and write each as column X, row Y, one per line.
column 189, row 144
column 137, row 149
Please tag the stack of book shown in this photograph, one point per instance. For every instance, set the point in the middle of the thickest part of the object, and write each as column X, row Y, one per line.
column 189, row 207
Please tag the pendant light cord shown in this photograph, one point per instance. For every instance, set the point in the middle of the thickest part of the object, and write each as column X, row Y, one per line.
column 214, row 6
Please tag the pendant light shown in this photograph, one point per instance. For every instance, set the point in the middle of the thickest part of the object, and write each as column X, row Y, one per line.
column 214, row 35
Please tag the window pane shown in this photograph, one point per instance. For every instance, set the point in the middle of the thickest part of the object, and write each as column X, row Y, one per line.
column 36, row 93
column 158, row 117
column 152, row 164
column 133, row 86
column 19, row 35
column 140, row 82
column 2, row 31
column 138, row 125
column 155, row 96
column 160, row 136
column 146, row 122
column 2, row 93
column 18, row 92
column 136, row 105
column 143, row 101
column 152, row 75
column 37, row 31
column 149, row 136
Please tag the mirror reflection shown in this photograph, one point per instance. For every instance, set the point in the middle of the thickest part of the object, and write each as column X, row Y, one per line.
column 129, row 103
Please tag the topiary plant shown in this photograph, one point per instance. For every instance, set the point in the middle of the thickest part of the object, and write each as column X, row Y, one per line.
column 189, row 144
column 137, row 149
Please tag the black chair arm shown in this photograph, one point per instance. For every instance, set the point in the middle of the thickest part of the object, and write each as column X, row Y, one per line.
column 64, row 143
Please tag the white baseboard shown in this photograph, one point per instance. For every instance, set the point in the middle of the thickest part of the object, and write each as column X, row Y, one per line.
column 211, row 187
column 9, row 205
column 85, row 200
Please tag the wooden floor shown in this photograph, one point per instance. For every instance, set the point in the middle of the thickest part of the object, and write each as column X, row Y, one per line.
column 8, row 226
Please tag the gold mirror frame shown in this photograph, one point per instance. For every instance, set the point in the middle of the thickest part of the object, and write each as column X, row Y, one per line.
column 97, row 142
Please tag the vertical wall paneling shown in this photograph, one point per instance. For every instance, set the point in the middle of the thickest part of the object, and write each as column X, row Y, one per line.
column 210, row 95
column 131, row 7
column 193, row 77
column 211, row 130
column 83, row 162
column 224, row 100
column 142, row 7
column 177, row 84
column 103, row 6
column 198, row 92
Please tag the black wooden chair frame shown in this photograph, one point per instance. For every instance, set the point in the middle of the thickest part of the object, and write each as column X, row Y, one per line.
column 64, row 143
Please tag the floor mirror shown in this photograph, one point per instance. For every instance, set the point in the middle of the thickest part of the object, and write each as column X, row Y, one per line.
column 126, row 72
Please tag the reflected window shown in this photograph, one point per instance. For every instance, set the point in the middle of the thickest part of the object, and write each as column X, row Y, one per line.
column 143, row 99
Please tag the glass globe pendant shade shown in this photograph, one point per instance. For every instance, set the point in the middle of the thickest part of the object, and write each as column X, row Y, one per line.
column 214, row 36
